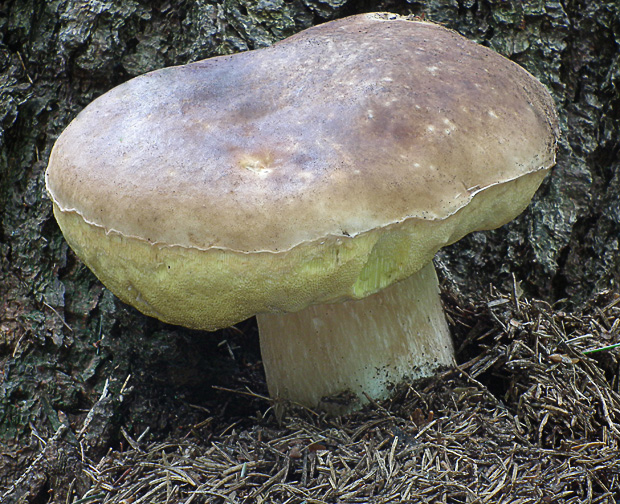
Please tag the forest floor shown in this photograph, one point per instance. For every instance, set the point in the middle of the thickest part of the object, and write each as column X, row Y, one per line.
column 530, row 414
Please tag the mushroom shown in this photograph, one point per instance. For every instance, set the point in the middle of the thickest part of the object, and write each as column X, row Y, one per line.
column 310, row 184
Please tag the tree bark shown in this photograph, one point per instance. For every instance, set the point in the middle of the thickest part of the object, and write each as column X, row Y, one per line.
column 72, row 355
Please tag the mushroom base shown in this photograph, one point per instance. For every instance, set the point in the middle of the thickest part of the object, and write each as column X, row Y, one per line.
column 338, row 356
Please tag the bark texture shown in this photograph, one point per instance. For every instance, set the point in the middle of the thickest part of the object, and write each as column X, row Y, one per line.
column 71, row 355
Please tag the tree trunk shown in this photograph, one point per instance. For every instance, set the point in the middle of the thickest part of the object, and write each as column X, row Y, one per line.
column 72, row 356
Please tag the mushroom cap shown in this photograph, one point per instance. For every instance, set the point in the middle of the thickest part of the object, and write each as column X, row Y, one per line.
column 357, row 129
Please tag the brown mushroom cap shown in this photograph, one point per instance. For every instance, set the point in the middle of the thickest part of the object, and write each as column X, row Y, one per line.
column 353, row 150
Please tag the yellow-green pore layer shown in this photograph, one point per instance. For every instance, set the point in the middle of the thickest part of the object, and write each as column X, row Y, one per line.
column 215, row 288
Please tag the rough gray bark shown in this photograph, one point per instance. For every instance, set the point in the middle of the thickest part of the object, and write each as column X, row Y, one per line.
column 63, row 336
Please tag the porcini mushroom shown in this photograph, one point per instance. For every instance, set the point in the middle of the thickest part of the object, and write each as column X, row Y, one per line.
column 309, row 183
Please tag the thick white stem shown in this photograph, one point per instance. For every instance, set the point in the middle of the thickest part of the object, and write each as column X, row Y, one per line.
column 331, row 356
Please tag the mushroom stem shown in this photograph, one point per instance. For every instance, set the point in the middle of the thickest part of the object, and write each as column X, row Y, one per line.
column 336, row 356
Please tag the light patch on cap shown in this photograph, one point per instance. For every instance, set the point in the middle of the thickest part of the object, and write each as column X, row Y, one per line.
column 450, row 126
column 306, row 176
column 257, row 164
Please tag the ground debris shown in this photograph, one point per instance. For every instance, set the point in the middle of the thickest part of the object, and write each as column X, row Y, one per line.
column 531, row 413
